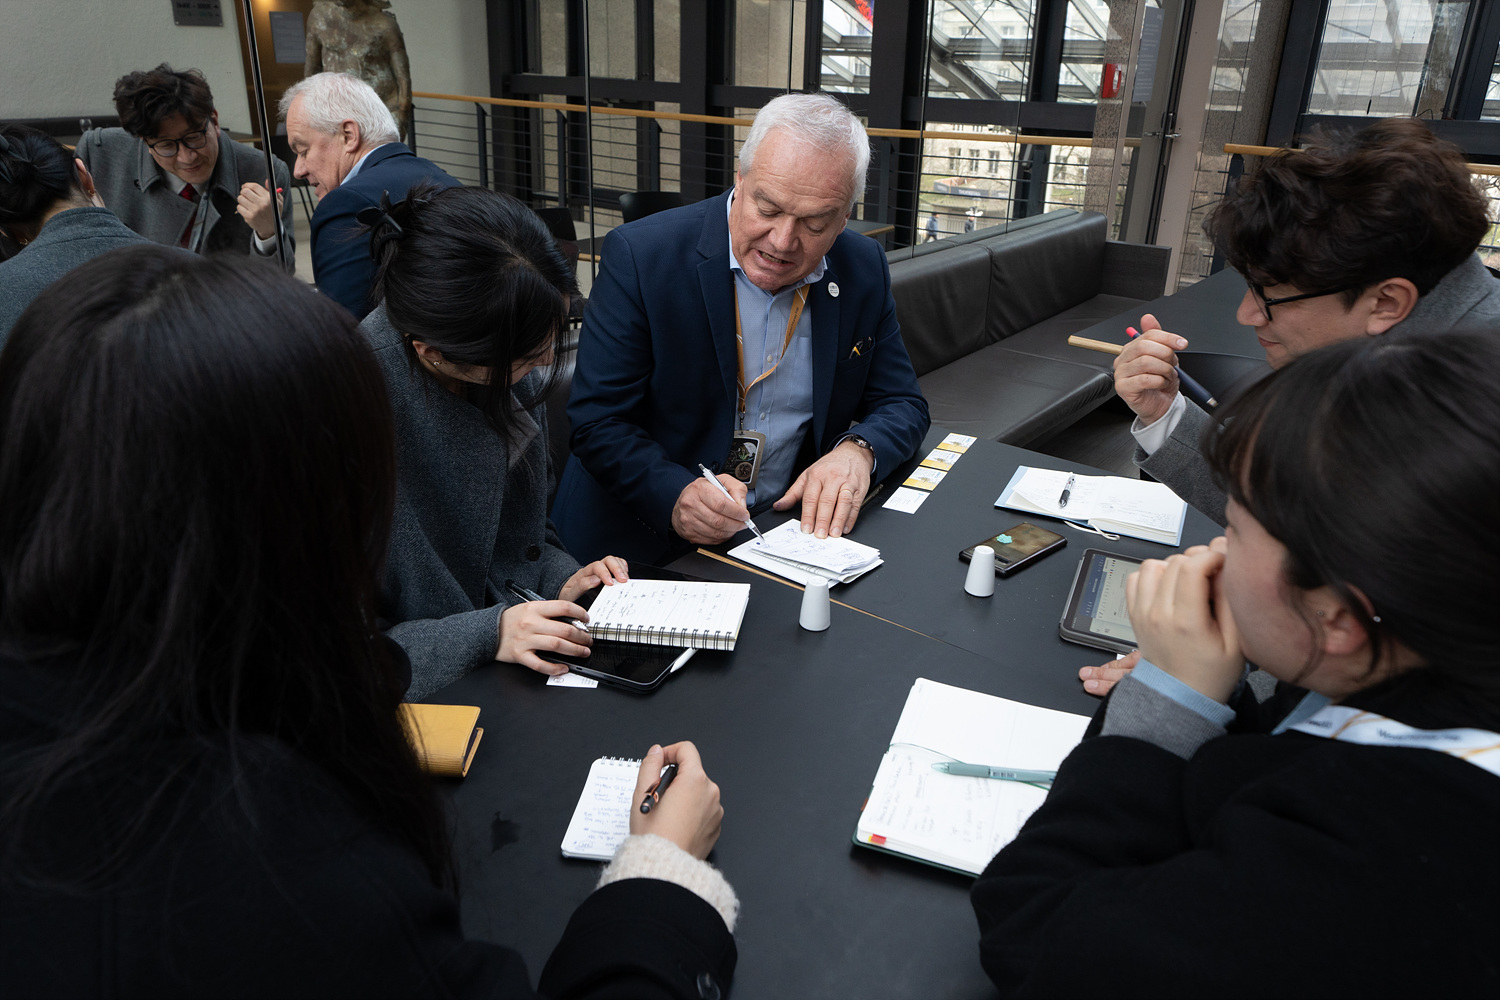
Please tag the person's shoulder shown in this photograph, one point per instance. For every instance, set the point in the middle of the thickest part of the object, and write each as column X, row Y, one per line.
column 106, row 142
column 857, row 257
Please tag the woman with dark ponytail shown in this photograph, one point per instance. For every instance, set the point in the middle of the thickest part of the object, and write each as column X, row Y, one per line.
column 473, row 295
column 51, row 218
column 205, row 788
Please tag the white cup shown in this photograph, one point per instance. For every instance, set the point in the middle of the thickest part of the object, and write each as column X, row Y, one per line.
column 981, row 579
column 815, row 605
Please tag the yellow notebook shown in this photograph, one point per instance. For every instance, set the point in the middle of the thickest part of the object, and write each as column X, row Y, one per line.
column 444, row 736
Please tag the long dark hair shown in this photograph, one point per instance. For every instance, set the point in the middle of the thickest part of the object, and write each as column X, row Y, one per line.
column 1376, row 462
column 475, row 274
column 197, row 474
column 36, row 172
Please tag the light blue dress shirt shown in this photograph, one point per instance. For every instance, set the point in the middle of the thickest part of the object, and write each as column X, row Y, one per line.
column 780, row 407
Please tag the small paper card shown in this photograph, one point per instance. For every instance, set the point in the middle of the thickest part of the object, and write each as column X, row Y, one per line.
column 957, row 442
column 571, row 680
column 905, row 500
column 924, row 479
column 937, row 458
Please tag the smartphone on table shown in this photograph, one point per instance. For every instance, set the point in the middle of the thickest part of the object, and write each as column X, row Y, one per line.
column 1017, row 546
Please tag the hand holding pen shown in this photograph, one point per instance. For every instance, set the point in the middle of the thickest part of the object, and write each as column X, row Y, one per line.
column 690, row 816
column 1146, row 372
column 535, row 625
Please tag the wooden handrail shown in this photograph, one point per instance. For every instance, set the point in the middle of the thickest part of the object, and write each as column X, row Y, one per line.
column 886, row 133
column 1239, row 149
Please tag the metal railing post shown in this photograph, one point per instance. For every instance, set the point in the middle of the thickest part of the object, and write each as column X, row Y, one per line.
column 484, row 156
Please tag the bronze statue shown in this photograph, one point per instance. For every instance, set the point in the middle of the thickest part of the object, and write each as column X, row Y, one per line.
column 360, row 37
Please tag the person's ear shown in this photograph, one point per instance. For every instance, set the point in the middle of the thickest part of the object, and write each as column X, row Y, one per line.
column 349, row 130
column 85, row 179
column 1395, row 298
column 213, row 117
column 428, row 353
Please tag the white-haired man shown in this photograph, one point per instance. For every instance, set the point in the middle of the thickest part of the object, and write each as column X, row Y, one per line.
column 347, row 147
column 750, row 334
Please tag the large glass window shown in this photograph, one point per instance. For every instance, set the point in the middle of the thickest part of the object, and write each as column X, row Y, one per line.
column 612, row 38
column 762, row 31
column 848, row 26
column 1388, row 57
column 1084, row 34
column 981, row 50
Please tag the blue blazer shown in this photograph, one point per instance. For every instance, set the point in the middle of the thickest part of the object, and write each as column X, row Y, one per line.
column 342, row 268
column 654, row 392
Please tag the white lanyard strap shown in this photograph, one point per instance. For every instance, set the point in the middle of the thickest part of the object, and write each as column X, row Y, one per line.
column 1350, row 725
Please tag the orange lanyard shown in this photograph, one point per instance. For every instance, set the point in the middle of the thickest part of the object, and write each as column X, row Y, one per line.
column 739, row 338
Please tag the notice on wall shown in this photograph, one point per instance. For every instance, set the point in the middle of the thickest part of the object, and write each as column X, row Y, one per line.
column 197, row 14
column 288, row 37
column 1145, row 63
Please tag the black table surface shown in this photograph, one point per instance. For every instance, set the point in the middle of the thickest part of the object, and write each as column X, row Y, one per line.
column 921, row 584
column 792, row 725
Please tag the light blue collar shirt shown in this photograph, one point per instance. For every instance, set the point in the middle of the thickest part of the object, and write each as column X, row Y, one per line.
column 780, row 407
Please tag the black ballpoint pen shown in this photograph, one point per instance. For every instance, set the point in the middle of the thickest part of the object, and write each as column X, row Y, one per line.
column 527, row 594
column 1062, row 501
column 656, row 791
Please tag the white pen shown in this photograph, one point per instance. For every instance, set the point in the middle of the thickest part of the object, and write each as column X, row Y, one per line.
column 720, row 487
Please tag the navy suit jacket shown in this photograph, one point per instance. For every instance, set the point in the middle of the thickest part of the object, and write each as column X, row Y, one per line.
column 342, row 268
column 654, row 393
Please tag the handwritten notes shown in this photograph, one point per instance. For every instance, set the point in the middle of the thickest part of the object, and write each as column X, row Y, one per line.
column 601, row 820
column 905, row 500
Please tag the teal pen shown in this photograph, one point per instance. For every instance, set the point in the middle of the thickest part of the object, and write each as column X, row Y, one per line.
column 999, row 773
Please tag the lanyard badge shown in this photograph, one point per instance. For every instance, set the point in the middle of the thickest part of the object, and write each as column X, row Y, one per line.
column 747, row 448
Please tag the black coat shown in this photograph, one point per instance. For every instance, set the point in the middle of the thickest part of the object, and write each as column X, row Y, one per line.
column 276, row 887
column 1285, row 865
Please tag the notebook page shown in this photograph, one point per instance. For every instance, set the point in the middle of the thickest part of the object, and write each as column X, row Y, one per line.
column 1043, row 487
column 960, row 822
column 1131, row 501
column 601, row 820
column 837, row 555
column 671, row 606
column 981, row 729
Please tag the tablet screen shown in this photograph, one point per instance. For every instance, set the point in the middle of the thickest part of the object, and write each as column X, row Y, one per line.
column 1097, row 604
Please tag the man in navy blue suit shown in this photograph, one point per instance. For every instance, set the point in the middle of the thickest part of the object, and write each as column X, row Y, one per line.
column 748, row 333
column 348, row 148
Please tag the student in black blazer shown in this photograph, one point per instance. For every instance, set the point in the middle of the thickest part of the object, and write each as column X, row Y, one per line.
column 204, row 786
column 1339, row 838
column 348, row 149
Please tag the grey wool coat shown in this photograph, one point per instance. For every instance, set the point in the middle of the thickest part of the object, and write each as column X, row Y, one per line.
column 471, row 513
column 136, row 189
column 1468, row 297
column 68, row 239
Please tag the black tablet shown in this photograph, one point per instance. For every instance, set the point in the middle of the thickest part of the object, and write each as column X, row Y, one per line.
column 1095, row 614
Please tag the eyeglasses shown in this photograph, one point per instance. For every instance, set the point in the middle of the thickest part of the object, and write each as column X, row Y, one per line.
column 168, row 148
column 1266, row 304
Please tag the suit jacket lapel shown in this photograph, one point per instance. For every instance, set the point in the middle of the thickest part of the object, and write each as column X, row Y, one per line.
column 825, row 346
column 717, row 284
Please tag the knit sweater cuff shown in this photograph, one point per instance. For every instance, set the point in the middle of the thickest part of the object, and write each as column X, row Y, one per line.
column 649, row 856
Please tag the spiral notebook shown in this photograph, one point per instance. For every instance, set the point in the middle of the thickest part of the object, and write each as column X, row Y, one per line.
column 670, row 613
column 601, row 820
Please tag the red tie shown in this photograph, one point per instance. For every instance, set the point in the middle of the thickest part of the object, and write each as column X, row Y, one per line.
column 188, row 194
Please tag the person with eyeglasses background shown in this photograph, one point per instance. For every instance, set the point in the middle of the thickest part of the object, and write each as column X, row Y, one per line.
column 172, row 175
column 1355, row 234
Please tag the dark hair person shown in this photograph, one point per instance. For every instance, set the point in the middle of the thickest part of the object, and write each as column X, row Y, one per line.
column 1339, row 838
column 473, row 296
column 204, row 786
column 174, row 176
column 51, row 218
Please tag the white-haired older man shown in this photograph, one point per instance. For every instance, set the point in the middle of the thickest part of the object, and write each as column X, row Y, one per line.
column 750, row 334
column 348, row 149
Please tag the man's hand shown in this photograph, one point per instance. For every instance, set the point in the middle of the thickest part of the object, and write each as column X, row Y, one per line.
column 831, row 490
column 1099, row 680
column 1146, row 372
column 255, row 208
column 704, row 516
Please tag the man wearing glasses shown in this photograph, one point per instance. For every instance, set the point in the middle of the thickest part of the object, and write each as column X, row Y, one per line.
column 1356, row 234
column 171, row 175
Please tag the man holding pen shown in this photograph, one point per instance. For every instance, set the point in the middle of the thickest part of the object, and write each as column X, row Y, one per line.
column 1354, row 235
column 747, row 333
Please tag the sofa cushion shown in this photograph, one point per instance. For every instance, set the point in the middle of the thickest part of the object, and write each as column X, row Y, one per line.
column 1041, row 271
column 1049, row 338
column 1003, row 395
column 941, row 302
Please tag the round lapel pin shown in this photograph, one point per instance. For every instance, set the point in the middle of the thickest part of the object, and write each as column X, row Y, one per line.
column 833, row 289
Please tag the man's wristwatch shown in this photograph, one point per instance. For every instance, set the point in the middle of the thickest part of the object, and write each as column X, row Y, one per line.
column 866, row 445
